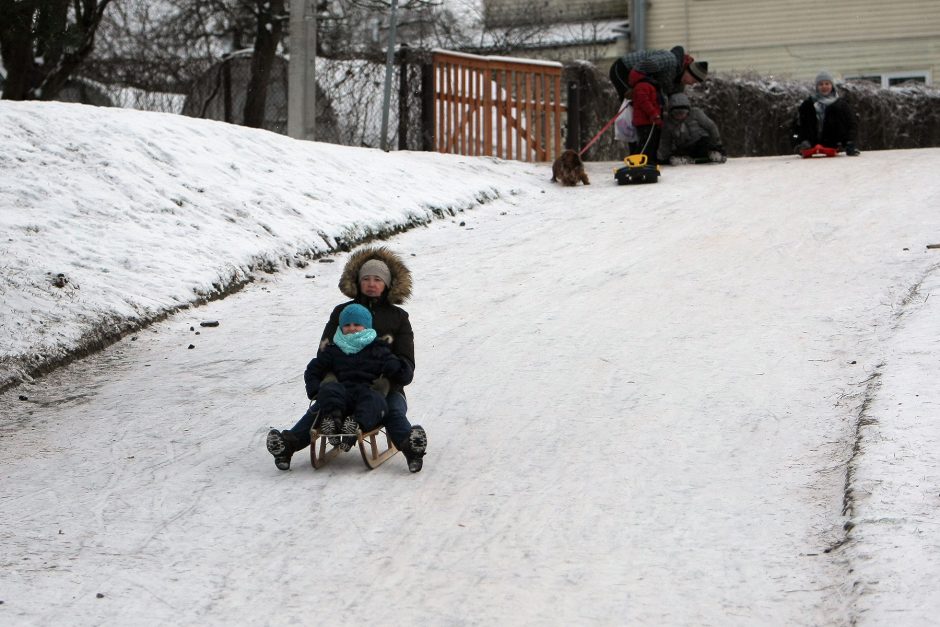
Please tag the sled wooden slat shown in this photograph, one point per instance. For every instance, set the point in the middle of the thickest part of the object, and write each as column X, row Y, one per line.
column 319, row 455
column 373, row 454
column 369, row 448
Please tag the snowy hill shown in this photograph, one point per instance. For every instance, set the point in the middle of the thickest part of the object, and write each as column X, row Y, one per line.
column 115, row 217
column 707, row 401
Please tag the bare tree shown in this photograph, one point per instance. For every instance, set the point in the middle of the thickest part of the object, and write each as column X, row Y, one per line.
column 169, row 45
column 136, row 47
column 270, row 25
column 348, row 29
column 43, row 42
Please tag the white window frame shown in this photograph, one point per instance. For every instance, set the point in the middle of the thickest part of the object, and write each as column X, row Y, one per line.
column 886, row 77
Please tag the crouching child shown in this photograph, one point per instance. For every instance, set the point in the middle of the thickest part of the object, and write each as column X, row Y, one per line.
column 689, row 135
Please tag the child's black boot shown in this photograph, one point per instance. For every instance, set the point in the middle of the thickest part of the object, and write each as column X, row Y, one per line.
column 330, row 424
column 349, row 426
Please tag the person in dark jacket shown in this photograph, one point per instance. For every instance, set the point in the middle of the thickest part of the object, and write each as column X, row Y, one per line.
column 671, row 70
column 379, row 280
column 689, row 135
column 356, row 358
column 827, row 119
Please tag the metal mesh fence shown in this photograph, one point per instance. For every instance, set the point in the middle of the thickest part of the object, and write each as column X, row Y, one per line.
column 349, row 100
column 221, row 93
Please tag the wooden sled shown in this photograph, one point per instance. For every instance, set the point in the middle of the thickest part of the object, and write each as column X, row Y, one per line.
column 372, row 453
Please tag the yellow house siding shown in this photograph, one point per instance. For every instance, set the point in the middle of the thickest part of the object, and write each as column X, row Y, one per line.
column 798, row 37
column 600, row 54
column 516, row 12
column 733, row 23
column 803, row 62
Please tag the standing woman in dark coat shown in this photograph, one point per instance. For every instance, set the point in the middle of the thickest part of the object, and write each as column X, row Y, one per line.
column 827, row 119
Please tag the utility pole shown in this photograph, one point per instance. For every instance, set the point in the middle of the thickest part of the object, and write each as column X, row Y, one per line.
column 638, row 25
column 389, row 65
column 301, row 77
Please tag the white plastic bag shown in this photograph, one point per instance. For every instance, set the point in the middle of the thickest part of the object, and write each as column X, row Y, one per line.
column 623, row 127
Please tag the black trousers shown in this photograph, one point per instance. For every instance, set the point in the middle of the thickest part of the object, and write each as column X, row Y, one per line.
column 647, row 142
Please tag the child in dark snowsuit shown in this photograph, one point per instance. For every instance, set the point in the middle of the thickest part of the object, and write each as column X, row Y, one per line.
column 357, row 359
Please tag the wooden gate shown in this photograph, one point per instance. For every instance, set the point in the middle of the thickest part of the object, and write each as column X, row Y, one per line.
column 496, row 106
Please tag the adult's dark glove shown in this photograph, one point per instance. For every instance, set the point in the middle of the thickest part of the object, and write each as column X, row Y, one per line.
column 391, row 368
column 851, row 150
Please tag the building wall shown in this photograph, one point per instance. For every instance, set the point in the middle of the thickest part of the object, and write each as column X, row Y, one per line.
column 797, row 38
column 517, row 12
column 600, row 54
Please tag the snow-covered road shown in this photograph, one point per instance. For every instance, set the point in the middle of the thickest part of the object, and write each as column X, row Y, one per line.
column 642, row 406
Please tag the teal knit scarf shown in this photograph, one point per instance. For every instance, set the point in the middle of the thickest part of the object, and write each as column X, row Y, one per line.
column 354, row 342
column 820, row 103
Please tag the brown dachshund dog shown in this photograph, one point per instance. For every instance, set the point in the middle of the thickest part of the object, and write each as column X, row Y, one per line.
column 568, row 169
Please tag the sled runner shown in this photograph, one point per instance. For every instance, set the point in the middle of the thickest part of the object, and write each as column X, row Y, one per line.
column 818, row 151
column 637, row 169
column 373, row 454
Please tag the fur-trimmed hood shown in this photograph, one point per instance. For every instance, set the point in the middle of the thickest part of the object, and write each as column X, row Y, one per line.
column 400, row 289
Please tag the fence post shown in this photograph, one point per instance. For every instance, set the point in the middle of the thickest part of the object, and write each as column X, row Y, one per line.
column 404, row 57
column 227, row 90
column 427, row 106
column 573, row 138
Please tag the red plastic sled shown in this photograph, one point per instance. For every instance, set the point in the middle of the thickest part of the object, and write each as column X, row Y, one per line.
column 818, row 151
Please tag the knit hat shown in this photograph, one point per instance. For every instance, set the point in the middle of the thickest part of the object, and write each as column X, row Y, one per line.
column 698, row 69
column 679, row 101
column 824, row 76
column 376, row 267
column 355, row 314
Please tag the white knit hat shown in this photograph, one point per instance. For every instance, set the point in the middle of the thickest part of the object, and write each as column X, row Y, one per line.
column 376, row 267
